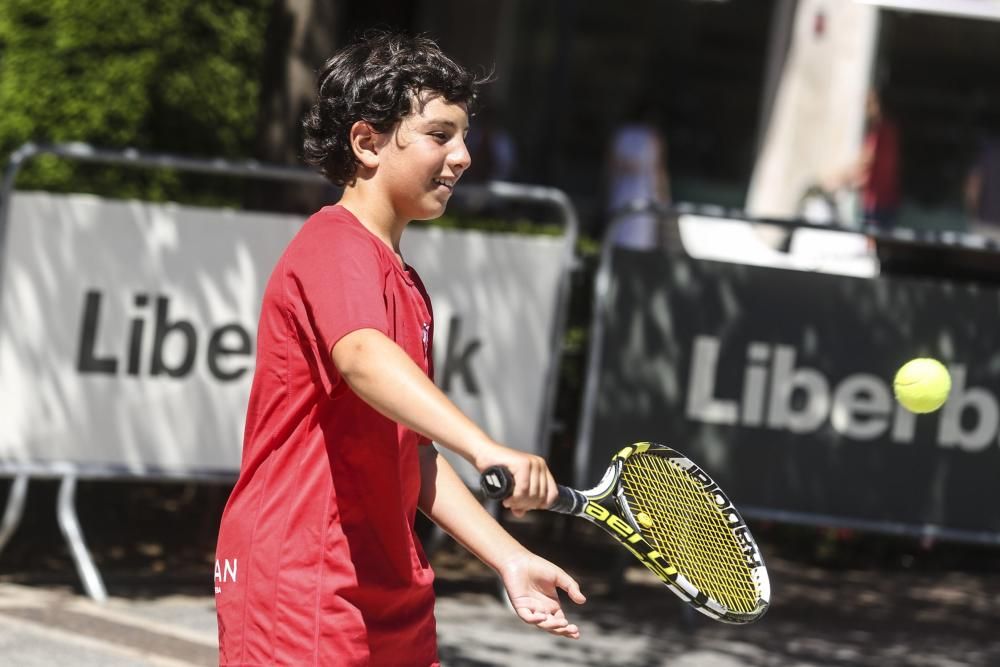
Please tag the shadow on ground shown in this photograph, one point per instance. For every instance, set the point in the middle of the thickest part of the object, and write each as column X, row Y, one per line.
column 838, row 598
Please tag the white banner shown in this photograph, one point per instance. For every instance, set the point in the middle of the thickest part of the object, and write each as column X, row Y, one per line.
column 128, row 329
column 494, row 298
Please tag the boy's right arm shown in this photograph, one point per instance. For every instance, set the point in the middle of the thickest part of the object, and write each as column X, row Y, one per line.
column 385, row 377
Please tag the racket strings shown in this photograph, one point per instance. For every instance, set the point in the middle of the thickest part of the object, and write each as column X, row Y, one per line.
column 689, row 530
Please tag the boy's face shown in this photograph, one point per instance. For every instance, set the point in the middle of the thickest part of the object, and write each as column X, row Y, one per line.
column 421, row 160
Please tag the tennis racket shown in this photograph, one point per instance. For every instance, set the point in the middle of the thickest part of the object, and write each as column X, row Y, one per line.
column 670, row 514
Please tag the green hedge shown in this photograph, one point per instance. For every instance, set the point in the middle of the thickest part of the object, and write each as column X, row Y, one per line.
column 179, row 76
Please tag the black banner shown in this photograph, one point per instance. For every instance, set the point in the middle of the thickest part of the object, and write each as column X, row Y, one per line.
column 779, row 383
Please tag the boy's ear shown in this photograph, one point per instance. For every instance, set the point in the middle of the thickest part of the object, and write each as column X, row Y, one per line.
column 364, row 143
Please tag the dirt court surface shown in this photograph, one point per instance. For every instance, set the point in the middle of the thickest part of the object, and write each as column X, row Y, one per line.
column 838, row 599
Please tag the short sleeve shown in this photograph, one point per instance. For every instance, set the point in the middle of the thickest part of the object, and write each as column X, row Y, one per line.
column 336, row 282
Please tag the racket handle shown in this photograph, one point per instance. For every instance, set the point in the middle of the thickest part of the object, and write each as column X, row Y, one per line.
column 497, row 483
column 569, row 501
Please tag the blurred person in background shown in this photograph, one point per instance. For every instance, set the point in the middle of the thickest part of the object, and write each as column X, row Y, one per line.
column 493, row 151
column 637, row 171
column 982, row 189
column 875, row 173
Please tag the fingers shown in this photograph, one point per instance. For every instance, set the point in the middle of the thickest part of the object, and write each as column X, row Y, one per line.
column 532, row 586
column 570, row 632
column 553, row 623
column 568, row 584
column 534, row 486
column 526, row 485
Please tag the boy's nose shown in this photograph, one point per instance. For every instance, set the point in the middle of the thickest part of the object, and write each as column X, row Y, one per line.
column 460, row 159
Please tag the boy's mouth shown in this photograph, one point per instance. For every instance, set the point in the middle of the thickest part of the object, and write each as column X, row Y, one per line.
column 445, row 182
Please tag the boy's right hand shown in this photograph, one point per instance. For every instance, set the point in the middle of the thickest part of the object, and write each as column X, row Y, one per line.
column 534, row 486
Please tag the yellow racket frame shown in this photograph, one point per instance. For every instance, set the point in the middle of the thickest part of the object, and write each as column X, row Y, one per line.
column 678, row 523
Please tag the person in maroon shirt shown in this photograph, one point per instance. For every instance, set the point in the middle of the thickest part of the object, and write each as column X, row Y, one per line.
column 318, row 562
column 877, row 172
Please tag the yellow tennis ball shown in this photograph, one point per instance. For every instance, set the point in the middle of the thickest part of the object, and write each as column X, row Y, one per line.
column 922, row 385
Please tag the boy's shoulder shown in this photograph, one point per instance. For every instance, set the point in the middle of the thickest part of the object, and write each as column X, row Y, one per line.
column 334, row 220
column 329, row 234
column 333, row 225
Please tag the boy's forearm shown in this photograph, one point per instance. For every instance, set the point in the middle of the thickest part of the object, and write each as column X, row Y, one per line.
column 385, row 377
column 445, row 499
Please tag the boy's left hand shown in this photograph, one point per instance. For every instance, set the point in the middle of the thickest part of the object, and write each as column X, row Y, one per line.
column 532, row 585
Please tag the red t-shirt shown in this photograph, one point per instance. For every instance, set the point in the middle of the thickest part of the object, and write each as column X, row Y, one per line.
column 317, row 559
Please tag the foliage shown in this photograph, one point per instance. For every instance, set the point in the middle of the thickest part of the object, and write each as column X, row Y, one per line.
column 179, row 77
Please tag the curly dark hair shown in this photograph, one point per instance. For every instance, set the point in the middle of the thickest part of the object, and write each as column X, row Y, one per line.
column 377, row 80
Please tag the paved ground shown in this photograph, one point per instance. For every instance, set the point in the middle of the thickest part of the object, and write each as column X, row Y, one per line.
column 894, row 605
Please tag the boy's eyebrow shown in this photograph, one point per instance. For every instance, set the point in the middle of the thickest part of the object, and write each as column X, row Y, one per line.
column 443, row 121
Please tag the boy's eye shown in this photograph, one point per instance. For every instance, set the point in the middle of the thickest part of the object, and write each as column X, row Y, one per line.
column 440, row 136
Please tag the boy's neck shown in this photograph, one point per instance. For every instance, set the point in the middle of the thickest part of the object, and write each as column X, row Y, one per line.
column 375, row 214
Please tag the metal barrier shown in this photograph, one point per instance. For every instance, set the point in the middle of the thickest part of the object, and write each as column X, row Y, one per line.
column 69, row 471
column 778, row 380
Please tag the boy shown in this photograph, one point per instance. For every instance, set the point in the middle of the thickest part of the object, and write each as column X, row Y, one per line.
column 319, row 562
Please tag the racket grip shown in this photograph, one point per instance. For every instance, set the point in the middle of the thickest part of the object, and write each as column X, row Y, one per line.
column 569, row 501
column 497, row 483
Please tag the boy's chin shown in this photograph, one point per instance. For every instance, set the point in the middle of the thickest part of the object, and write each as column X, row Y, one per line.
column 430, row 212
